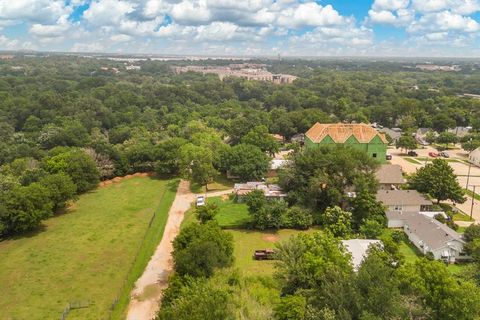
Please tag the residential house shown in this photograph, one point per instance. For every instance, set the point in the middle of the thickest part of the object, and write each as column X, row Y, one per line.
column 390, row 177
column 271, row 191
column 356, row 135
column 429, row 235
column 421, row 135
column 404, row 200
column 358, row 249
column 460, row 132
column 394, row 133
column 275, row 165
column 474, row 157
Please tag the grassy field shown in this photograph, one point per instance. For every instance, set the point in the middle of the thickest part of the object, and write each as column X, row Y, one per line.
column 247, row 241
column 86, row 253
column 231, row 214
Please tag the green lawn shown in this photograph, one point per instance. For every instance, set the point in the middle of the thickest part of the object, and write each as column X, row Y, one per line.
column 219, row 183
column 86, row 253
column 470, row 194
column 411, row 160
column 422, row 160
column 247, row 241
column 230, row 214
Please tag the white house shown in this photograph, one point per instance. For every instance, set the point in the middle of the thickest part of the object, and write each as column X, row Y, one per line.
column 474, row 157
column 358, row 249
column 429, row 235
column 404, row 200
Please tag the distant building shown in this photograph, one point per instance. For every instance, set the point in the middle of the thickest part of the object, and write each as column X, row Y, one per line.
column 434, row 67
column 390, row 177
column 474, row 157
column 359, row 136
column 460, row 131
column 271, row 191
column 275, row 165
column 358, row 249
column 132, row 67
column 394, row 133
column 404, row 200
column 429, row 235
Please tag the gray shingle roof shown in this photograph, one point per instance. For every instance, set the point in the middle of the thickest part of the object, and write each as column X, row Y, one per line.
column 390, row 174
column 402, row 197
column 433, row 233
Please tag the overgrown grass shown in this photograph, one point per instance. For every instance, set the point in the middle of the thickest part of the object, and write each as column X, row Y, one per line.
column 219, row 183
column 470, row 194
column 84, row 254
column 247, row 241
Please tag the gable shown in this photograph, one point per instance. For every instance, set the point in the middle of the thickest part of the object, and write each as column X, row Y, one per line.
column 352, row 140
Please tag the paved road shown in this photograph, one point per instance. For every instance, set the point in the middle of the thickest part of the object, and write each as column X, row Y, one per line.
column 146, row 296
column 460, row 169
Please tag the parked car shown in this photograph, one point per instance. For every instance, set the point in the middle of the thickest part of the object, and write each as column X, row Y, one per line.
column 444, row 154
column 412, row 153
column 388, row 156
column 200, row 201
column 433, row 154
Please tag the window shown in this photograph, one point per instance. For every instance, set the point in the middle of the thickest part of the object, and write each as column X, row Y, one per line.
column 374, row 155
column 397, row 207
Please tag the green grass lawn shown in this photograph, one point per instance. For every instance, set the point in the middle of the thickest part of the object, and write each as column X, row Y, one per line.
column 460, row 216
column 470, row 194
column 247, row 241
column 231, row 214
column 422, row 160
column 411, row 160
column 219, row 183
column 86, row 253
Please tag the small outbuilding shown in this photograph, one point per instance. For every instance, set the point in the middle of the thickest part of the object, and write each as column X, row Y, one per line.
column 358, row 249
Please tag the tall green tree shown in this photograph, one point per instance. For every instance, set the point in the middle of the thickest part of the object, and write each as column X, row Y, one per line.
column 406, row 142
column 439, row 181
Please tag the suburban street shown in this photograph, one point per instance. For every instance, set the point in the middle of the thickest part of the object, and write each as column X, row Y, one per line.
column 460, row 169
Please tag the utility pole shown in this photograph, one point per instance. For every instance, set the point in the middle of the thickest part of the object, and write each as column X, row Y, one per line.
column 473, row 200
column 469, row 166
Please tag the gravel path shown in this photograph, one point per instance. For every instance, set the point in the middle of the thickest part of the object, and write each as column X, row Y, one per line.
column 146, row 296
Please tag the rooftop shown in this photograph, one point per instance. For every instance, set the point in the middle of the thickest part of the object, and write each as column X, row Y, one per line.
column 358, row 248
column 431, row 232
column 340, row 132
column 390, row 174
column 402, row 197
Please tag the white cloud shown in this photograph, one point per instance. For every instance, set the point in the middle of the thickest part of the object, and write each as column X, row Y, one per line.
column 7, row 43
column 310, row 14
column 39, row 11
column 51, row 31
column 444, row 21
column 390, row 5
column 120, row 38
column 465, row 7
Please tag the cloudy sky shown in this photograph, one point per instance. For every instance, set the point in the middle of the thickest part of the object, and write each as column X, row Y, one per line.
column 245, row 27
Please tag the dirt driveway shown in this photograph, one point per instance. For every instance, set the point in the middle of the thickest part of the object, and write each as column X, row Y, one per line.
column 146, row 295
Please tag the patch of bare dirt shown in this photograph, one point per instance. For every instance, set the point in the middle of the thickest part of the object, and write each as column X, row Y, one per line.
column 271, row 238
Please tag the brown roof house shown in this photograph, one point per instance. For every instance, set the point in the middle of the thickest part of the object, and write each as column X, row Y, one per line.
column 429, row 235
column 404, row 200
column 389, row 177
column 356, row 135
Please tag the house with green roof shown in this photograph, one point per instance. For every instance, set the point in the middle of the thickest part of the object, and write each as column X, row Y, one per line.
column 356, row 135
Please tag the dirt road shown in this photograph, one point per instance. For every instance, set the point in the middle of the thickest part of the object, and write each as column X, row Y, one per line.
column 146, row 295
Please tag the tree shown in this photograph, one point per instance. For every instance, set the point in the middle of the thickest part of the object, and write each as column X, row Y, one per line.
column 61, row 189
column 318, row 178
column 366, row 207
column 471, row 234
column 297, row 218
column 438, row 180
column 265, row 215
column 207, row 212
column 24, row 208
column 77, row 165
column 337, row 221
column 201, row 248
column 471, row 145
column 442, row 122
column 197, row 164
column 247, row 162
column 407, row 142
column 260, row 137
column 371, row 228
column 378, row 286
column 167, row 154
column 446, row 296
column 446, row 138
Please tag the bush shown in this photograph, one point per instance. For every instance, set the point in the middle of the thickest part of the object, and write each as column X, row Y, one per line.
column 371, row 229
column 201, row 248
column 297, row 218
column 207, row 212
column 290, row 308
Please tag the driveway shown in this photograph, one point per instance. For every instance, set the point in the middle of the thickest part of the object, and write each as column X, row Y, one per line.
column 147, row 294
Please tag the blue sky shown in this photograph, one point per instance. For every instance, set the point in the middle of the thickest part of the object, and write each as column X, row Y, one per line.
column 245, row 27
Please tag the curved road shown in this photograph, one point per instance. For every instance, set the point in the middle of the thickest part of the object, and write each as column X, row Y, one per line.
column 146, row 296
